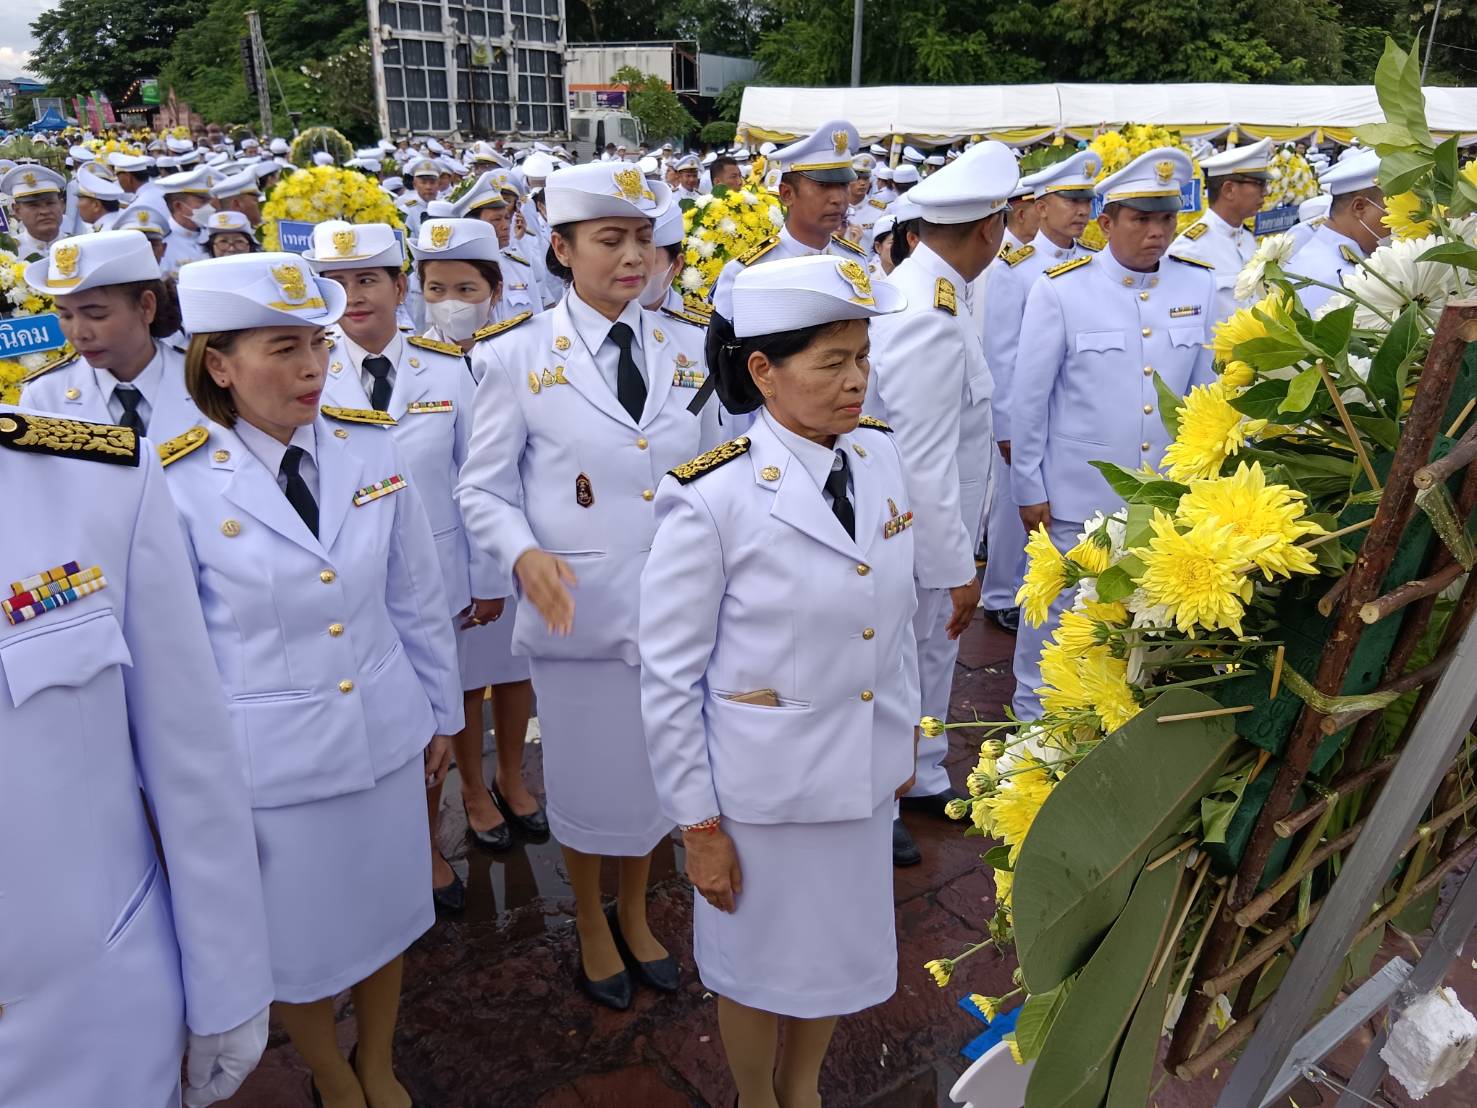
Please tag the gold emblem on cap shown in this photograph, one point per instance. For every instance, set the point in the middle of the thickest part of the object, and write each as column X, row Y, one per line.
column 1164, row 170
column 561, row 343
column 857, row 278
column 291, row 281
column 1089, row 170
column 143, row 215
column 231, row 528
column 630, row 182
column 345, row 242
column 223, row 219
column 30, row 180
column 440, row 235
column 770, row 473
column 840, row 141
column 65, row 257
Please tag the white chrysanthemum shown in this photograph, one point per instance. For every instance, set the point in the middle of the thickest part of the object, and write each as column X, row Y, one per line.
column 705, row 248
column 692, row 279
column 776, row 216
column 727, row 226
column 748, row 197
column 1399, row 280
column 1251, row 284
column 704, row 200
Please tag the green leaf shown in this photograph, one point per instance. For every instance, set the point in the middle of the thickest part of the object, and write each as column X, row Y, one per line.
column 1384, row 432
column 1159, row 494
column 999, row 858
column 1397, row 82
column 1122, row 481
column 1138, row 530
column 1331, row 333
column 1133, row 1071
column 1270, row 353
column 1452, row 253
column 1317, row 475
column 1263, row 400
column 1444, row 182
column 1386, row 134
column 1387, row 371
column 1114, row 583
column 1077, row 865
column 1170, row 403
column 1401, row 169
column 1038, row 1013
column 1300, row 391
column 1076, row 1064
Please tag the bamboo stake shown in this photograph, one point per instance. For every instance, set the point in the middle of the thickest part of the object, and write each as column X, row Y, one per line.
column 1169, row 947
column 1340, row 533
column 1461, row 417
column 1171, row 854
column 1256, row 909
column 1181, row 717
column 1184, row 980
column 1349, row 428
column 1277, row 672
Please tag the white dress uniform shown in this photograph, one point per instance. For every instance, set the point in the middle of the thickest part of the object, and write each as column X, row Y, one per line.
column 104, row 960
column 755, row 586
column 1213, row 240
column 1328, row 254
column 521, row 290
column 1084, row 385
column 27, row 180
column 338, row 662
column 72, row 388
column 776, row 248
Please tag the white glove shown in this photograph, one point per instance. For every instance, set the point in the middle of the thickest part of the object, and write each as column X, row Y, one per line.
column 217, row 1064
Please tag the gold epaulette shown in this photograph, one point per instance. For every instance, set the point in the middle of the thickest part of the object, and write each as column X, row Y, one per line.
column 515, row 257
column 69, row 438
column 722, row 454
column 758, row 250
column 177, row 447
column 1347, row 252
column 944, row 296
column 1191, row 261
column 498, row 328
column 63, row 357
column 1067, row 267
column 431, row 344
column 359, row 415
column 880, row 205
column 874, row 423
column 1195, row 231
column 1091, row 249
column 688, row 317
column 696, row 304
column 1016, row 257
column 849, row 245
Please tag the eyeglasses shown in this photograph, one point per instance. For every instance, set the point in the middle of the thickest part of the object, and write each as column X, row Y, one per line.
column 1260, row 184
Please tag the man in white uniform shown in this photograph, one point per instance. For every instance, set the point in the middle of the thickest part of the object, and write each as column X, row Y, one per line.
column 187, row 199
column 1236, row 182
column 36, row 199
column 1353, row 230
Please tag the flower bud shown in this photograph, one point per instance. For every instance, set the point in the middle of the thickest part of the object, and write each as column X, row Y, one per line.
column 931, row 726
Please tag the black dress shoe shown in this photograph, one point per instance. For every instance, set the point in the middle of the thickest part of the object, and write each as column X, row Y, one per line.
column 535, row 825
column 499, row 840
column 661, row 974
column 613, row 992
column 317, row 1096
column 935, row 805
column 450, row 899
column 905, row 851
column 1007, row 619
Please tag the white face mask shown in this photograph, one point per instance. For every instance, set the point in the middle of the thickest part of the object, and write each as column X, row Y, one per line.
column 458, row 320
column 202, row 214
column 656, row 287
column 1381, row 234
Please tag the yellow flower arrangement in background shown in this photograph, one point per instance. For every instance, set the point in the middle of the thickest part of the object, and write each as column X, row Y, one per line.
column 326, row 192
column 21, row 299
column 721, row 227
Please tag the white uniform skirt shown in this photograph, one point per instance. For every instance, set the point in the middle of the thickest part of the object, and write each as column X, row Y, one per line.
column 601, row 797
column 485, row 653
column 812, row 932
column 347, row 883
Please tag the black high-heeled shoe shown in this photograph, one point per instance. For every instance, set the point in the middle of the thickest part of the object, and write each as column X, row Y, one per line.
column 535, row 825
column 450, row 899
column 612, row 992
column 499, row 839
column 353, row 1054
column 660, row 975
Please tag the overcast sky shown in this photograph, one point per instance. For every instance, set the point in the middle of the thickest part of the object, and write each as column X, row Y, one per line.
column 16, row 42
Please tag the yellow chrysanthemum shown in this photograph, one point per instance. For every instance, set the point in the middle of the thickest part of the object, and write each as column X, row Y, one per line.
column 1094, row 553
column 1243, row 326
column 1402, row 213
column 1015, row 805
column 1238, row 375
column 1061, row 679
column 1004, row 882
column 931, row 726
column 1076, row 634
column 1105, row 678
column 989, row 1006
column 942, row 969
column 1046, row 577
column 1255, row 510
column 1197, row 575
column 1210, row 432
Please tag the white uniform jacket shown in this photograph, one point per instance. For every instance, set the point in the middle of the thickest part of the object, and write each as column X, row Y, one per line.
column 1326, row 257
column 431, row 403
column 753, row 584
column 783, row 245
column 521, row 289
column 73, row 390
column 100, row 698
column 1212, row 240
column 181, row 247
column 1008, row 281
column 930, row 382
column 1084, row 383
column 557, row 464
column 338, row 660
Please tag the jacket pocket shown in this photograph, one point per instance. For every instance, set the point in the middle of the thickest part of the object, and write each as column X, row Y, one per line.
column 1187, row 336
column 1099, row 342
column 66, row 654
column 133, row 906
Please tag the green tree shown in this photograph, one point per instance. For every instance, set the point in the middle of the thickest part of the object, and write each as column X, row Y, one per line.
column 23, row 112
column 655, row 106
column 82, row 45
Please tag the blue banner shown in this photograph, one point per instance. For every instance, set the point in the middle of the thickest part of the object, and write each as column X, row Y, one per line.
column 30, row 334
column 1276, row 220
column 296, row 235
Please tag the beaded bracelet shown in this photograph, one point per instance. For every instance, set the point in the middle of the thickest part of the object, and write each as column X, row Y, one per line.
column 708, row 826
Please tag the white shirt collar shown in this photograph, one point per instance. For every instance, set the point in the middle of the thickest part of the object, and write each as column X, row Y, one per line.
column 148, row 382
column 593, row 328
column 1213, row 218
column 794, row 247
column 357, row 353
column 815, row 459
column 935, row 266
column 269, row 451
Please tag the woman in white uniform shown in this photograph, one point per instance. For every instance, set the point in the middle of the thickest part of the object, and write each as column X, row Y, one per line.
column 324, row 603
column 779, row 673
column 457, row 261
column 579, row 411
column 116, row 313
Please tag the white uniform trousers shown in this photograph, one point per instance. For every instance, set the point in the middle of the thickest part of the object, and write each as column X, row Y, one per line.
column 1029, row 640
column 1005, row 563
column 936, row 656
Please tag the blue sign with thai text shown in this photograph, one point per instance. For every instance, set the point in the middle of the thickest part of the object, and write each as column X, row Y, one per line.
column 1276, row 220
column 296, row 235
column 30, row 334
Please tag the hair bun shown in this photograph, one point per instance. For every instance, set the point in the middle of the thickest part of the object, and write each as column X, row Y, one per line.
column 730, row 365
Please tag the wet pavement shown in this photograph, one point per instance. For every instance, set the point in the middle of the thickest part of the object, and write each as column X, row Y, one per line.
column 491, row 1018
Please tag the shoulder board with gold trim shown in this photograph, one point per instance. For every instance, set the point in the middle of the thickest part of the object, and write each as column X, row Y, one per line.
column 1195, row 231
column 96, row 442
column 758, row 250
column 696, row 304
column 1191, row 261
column 493, row 329
column 359, row 415
column 1091, row 249
column 177, row 447
column 1067, row 267
column 1016, row 257
column 874, row 423
column 944, row 296
column 722, row 454
column 403, row 327
column 880, row 205
column 1347, row 253
column 431, row 344
column 688, row 317
column 515, row 257
column 849, row 245
column 63, row 357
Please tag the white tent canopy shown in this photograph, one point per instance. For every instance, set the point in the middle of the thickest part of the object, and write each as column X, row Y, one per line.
column 1023, row 113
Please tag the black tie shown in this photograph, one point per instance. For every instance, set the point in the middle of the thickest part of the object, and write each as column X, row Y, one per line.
column 378, row 366
column 130, row 398
column 840, row 503
column 630, row 386
column 298, row 494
